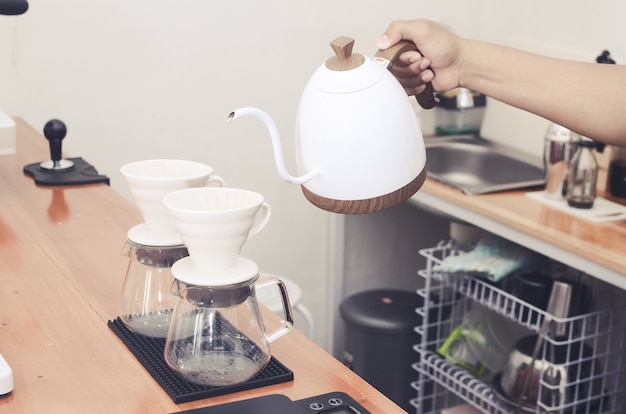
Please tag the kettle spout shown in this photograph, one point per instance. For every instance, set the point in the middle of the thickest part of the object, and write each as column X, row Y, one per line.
column 276, row 145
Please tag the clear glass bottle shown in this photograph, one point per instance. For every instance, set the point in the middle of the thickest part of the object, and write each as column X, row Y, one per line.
column 583, row 175
column 558, row 151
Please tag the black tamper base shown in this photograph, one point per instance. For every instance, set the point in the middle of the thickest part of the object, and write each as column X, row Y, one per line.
column 149, row 352
column 80, row 173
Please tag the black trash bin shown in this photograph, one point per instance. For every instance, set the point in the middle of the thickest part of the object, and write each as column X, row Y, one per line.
column 379, row 339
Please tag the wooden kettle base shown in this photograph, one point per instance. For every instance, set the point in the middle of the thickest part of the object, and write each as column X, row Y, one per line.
column 368, row 205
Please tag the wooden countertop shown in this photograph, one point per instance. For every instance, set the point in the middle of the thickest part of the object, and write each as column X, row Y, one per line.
column 598, row 249
column 61, row 272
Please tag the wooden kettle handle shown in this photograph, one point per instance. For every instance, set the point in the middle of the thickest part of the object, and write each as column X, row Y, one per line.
column 426, row 99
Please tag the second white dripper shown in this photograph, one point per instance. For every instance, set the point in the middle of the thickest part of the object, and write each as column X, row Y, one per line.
column 214, row 223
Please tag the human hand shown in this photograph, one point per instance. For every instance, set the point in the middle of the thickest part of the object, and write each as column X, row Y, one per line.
column 437, row 59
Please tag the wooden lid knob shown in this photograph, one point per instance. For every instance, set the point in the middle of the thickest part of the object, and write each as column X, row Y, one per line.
column 344, row 59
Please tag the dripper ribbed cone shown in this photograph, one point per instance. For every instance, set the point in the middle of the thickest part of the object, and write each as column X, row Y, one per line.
column 214, row 224
column 151, row 180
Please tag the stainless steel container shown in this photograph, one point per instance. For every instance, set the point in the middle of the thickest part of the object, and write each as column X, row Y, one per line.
column 559, row 147
column 570, row 376
column 460, row 111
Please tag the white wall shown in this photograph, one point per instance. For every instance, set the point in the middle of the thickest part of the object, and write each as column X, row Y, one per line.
column 578, row 30
column 142, row 79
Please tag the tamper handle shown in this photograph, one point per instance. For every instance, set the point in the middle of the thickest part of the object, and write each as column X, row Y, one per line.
column 54, row 131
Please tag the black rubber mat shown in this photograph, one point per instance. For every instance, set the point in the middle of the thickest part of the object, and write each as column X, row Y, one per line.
column 149, row 352
column 81, row 173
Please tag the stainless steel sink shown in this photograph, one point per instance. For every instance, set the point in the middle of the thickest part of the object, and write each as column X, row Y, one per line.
column 477, row 166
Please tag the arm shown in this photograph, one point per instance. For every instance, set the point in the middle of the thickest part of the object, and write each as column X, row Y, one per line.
column 588, row 98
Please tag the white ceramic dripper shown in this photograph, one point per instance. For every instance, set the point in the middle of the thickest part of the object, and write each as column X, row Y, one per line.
column 214, row 223
column 151, row 180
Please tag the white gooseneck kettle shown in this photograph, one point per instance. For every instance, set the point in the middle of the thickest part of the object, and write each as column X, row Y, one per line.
column 359, row 147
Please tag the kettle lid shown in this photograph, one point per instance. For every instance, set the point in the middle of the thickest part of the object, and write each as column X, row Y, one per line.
column 344, row 59
column 346, row 72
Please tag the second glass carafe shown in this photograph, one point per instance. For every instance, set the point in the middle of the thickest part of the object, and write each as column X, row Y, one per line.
column 217, row 336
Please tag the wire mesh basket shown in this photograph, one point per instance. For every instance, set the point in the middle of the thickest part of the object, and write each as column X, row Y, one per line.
column 599, row 331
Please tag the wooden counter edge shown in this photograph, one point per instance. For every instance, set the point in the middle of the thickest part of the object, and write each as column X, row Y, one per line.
column 494, row 206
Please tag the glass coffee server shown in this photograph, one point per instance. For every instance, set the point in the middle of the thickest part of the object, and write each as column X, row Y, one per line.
column 576, row 367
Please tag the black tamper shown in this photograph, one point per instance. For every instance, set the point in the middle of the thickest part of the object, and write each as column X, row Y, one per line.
column 58, row 170
column 54, row 131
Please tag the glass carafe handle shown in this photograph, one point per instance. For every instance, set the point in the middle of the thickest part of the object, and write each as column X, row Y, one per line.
column 126, row 249
column 287, row 321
